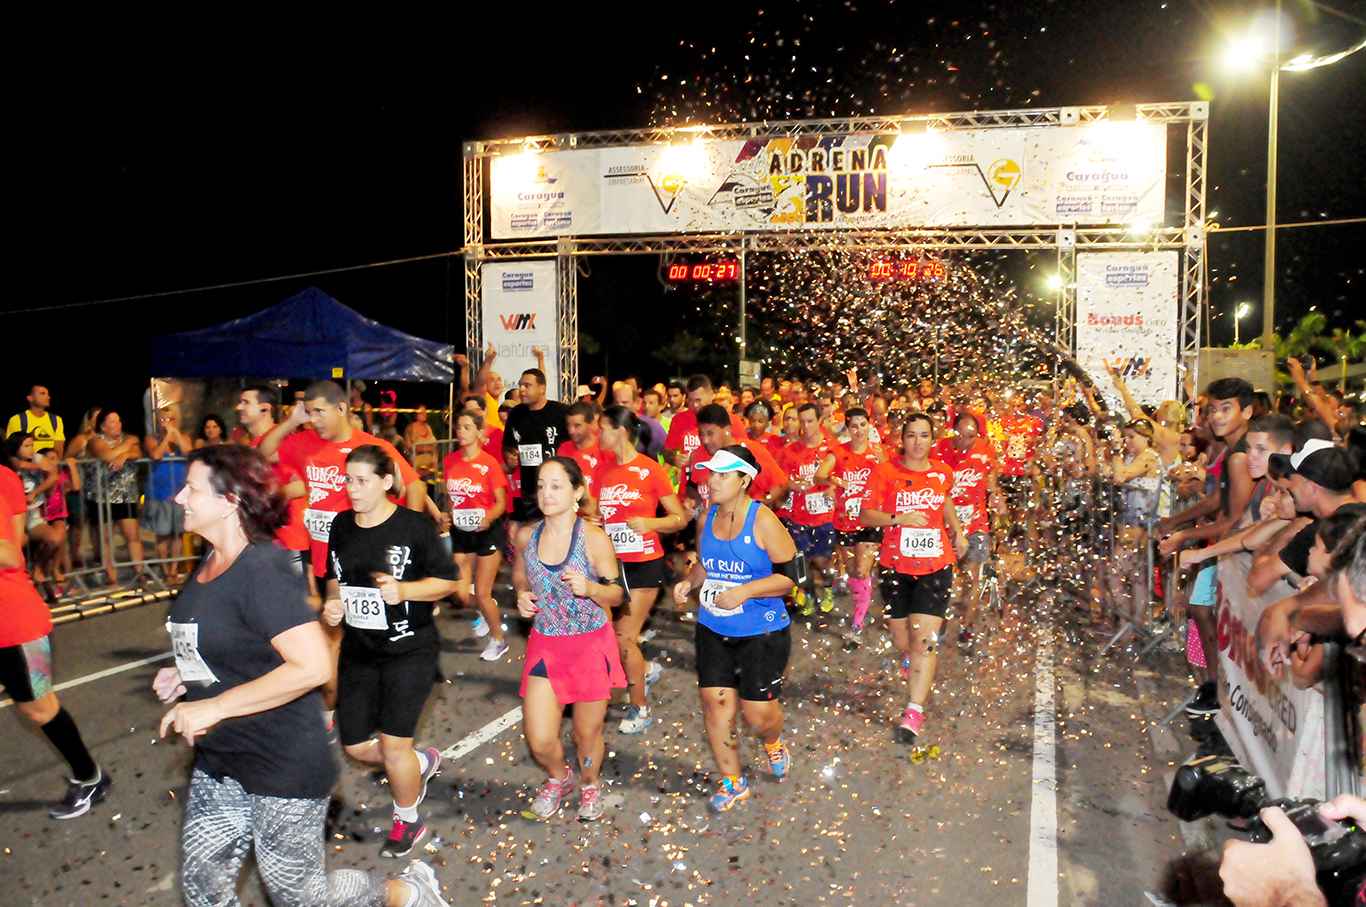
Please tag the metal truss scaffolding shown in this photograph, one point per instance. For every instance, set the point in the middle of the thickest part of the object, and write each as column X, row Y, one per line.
column 1065, row 239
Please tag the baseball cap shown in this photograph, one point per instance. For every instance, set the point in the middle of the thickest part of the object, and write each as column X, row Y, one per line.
column 725, row 461
column 1321, row 462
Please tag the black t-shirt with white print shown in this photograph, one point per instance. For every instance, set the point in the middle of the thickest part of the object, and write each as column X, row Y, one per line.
column 406, row 547
column 221, row 633
column 536, row 434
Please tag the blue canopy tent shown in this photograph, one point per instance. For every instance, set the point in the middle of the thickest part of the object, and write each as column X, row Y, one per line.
column 309, row 335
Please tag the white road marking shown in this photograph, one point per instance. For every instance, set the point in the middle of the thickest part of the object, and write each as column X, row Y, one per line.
column 1043, row 806
column 100, row 675
column 483, row 735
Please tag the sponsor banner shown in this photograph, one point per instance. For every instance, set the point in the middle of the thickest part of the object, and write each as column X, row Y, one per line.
column 1099, row 173
column 1128, row 314
column 519, row 314
column 1275, row 729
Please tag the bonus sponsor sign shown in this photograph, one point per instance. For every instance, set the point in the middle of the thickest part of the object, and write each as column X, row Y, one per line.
column 1097, row 173
column 518, row 315
column 1127, row 318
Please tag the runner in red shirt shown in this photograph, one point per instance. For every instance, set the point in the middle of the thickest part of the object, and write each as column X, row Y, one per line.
column 477, row 489
column 717, row 432
column 1015, row 437
column 26, row 660
column 684, row 438
column 582, row 444
column 921, row 540
column 632, row 489
column 974, row 484
column 849, row 468
column 256, row 415
column 811, row 517
column 759, row 421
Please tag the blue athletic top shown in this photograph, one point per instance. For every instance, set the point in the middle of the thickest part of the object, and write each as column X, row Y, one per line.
column 733, row 562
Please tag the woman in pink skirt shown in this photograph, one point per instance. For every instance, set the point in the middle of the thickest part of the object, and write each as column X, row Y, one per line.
column 567, row 580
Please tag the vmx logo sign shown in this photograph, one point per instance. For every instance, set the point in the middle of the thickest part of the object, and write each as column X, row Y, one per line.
column 519, row 322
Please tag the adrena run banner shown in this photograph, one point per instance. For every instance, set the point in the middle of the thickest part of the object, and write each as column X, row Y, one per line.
column 1097, row 173
column 518, row 315
column 1128, row 318
column 1275, row 729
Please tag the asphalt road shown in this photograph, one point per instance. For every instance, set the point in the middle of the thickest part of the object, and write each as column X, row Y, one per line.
column 857, row 823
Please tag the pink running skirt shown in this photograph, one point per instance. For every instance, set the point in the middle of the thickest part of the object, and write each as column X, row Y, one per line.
column 585, row 667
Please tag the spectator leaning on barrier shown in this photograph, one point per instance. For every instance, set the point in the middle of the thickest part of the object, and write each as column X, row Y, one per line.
column 47, row 429
column 118, row 484
column 160, row 513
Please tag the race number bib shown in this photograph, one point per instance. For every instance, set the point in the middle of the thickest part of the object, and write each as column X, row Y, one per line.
column 530, row 454
column 853, row 507
column 467, row 520
column 921, row 542
column 319, row 524
column 625, row 539
column 365, row 609
column 817, row 503
column 966, row 512
column 185, row 645
column 708, row 594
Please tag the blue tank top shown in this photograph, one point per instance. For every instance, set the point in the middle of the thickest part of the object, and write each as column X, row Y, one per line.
column 733, row 562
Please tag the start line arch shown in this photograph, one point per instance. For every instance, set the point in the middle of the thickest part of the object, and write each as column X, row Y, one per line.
column 844, row 184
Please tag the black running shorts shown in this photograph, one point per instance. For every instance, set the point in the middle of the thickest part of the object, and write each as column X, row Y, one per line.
column 753, row 665
column 905, row 595
column 484, row 544
column 383, row 694
column 646, row 574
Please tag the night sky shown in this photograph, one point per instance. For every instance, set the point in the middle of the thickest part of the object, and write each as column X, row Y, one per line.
column 157, row 155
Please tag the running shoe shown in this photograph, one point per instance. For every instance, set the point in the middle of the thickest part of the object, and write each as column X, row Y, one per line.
column 480, row 626
column 80, row 796
column 637, row 721
column 551, row 797
column 653, row 671
column 729, row 792
column 827, row 600
column 421, row 879
column 495, row 650
column 590, row 803
column 912, row 722
column 905, row 667
column 779, row 760
column 403, row 837
column 648, row 636
column 433, row 769
column 1206, row 701
column 805, row 607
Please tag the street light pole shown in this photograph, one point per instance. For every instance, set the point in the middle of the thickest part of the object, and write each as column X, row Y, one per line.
column 1269, row 272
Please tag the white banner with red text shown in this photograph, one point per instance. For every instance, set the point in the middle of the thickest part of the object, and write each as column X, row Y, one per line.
column 1127, row 318
column 1274, row 727
column 519, row 300
column 1096, row 173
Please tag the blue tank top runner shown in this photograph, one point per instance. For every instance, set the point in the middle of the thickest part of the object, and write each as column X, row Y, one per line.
column 733, row 562
column 561, row 613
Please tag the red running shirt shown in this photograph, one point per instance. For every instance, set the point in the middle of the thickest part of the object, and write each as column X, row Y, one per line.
column 470, row 485
column 24, row 615
column 912, row 550
column 627, row 490
column 292, row 536
column 683, row 434
column 323, row 467
column 812, row 506
column 856, row 471
column 590, row 460
column 971, row 474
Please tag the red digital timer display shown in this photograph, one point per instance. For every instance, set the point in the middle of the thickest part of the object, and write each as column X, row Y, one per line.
column 910, row 269
column 704, row 272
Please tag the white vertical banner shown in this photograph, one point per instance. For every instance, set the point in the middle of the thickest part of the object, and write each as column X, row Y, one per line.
column 1127, row 317
column 519, row 300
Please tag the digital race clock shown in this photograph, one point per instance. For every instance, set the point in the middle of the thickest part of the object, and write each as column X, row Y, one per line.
column 907, row 269
column 704, row 271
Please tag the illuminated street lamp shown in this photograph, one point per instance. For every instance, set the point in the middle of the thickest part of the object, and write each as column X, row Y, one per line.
column 1238, row 314
column 1256, row 49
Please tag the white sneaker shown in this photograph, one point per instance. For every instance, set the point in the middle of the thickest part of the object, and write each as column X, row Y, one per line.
column 495, row 650
column 648, row 635
column 638, row 719
column 420, row 877
column 480, row 627
column 653, row 672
